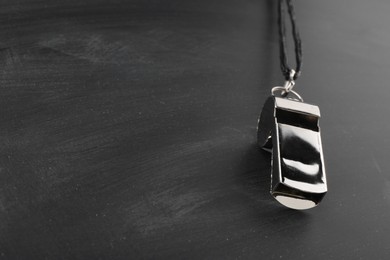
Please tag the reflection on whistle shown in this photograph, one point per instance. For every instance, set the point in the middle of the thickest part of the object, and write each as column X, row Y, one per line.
column 295, row 166
column 289, row 129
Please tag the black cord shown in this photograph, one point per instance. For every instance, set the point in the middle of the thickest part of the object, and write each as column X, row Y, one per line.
column 286, row 70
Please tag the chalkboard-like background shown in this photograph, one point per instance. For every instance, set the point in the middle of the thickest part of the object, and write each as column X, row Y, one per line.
column 128, row 130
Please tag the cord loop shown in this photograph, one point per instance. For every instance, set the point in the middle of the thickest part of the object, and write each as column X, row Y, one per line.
column 286, row 70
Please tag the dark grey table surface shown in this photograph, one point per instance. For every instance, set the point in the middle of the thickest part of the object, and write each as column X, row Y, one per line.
column 128, row 130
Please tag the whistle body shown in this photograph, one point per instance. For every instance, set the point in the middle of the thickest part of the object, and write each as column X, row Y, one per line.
column 289, row 130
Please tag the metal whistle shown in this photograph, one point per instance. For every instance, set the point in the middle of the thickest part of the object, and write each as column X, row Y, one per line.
column 289, row 130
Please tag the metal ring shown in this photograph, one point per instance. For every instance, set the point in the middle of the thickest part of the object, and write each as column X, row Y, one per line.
column 292, row 75
column 288, row 85
column 277, row 88
column 285, row 93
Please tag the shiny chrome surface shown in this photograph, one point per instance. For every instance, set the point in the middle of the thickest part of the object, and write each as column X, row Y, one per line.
column 289, row 129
